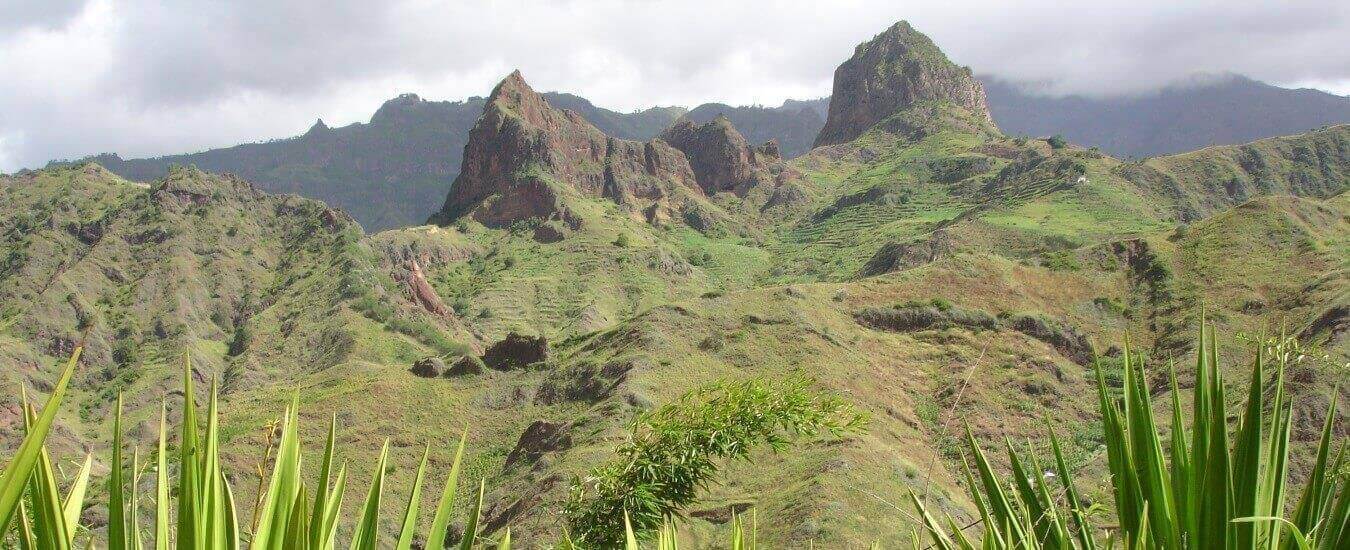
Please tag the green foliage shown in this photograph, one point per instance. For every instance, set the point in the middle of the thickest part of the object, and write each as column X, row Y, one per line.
column 623, row 241
column 1213, row 487
column 675, row 451
column 428, row 334
column 1057, row 141
column 30, row 470
column 1061, row 261
column 206, row 515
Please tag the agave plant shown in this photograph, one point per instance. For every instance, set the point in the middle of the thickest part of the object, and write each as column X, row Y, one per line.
column 52, row 521
column 206, row 517
column 1222, row 488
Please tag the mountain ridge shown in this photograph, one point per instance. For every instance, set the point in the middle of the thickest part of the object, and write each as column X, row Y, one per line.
column 932, row 269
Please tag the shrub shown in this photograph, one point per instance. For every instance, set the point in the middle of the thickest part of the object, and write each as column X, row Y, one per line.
column 673, row 451
column 1056, row 142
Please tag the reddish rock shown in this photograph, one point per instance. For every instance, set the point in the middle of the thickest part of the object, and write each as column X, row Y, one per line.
column 522, row 147
column 720, row 157
column 525, row 158
column 421, row 292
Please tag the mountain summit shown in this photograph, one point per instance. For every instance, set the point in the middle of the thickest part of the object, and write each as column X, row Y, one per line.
column 527, row 159
column 892, row 72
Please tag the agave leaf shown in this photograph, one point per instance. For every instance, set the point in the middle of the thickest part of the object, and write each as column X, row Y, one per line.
column 366, row 534
column 25, row 459
column 49, row 526
column 440, row 523
column 332, row 509
column 316, row 522
column 1289, row 527
column 471, row 524
column 117, row 505
column 630, row 540
column 1314, row 500
column 189, row 533
column 935, row 531
column 162, row 484
column 26, row 539
column 297, row 525
column 405, row 537
column 134, row 521
column 75, row 496
column 279, row 502
column 1247, row 457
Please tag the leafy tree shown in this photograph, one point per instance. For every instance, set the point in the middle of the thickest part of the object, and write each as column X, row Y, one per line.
column 1057, row 142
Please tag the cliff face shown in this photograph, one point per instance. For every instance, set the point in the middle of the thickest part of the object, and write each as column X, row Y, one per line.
column 895, row 70
column 721, row 158
column 525, row 158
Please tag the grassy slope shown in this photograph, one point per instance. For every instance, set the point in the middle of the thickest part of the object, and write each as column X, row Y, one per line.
column 678, row 307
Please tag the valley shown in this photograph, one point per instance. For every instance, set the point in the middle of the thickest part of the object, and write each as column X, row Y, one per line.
column 928, row 267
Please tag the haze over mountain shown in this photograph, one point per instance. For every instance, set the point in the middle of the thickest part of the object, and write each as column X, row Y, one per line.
column 924, row 262
column 1213, row 110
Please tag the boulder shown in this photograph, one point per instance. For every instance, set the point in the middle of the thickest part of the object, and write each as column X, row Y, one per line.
column 465, row 365
column 429, row 367
column 516, row 351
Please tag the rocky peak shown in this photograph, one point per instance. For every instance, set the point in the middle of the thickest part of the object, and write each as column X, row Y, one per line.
column 528, row 159
column 318, row 128
column 403, row 108
column 718, row 154
column 524, row 157
column 890, row 73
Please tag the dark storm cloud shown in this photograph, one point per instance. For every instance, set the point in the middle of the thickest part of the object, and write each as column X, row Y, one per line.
column 144, row 77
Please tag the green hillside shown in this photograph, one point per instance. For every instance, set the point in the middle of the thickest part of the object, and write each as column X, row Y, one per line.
column 933, row 272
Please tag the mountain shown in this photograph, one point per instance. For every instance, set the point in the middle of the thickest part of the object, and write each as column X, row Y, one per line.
column 529, row 161
column 934, row 271
column 390, row 172
column 794, row 125
column 393, row 171
column 1223, row 110
column 896, row 70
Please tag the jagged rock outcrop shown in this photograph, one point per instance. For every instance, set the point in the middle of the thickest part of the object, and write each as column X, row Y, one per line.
column 318, row 128
column 720, row 157
column 526, row 159
column 895, row 70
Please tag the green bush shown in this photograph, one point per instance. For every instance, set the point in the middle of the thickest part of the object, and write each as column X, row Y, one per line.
column 674, row 451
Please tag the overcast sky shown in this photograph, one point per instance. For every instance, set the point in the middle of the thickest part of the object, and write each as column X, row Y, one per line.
column 148, row 77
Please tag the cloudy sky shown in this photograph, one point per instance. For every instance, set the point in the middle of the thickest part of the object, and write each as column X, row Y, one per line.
column 147, row 77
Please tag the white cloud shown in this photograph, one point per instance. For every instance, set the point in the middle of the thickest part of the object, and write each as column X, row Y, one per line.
column 142, row 77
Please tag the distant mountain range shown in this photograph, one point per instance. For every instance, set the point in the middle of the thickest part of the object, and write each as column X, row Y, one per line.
column 1223, row 110
column 392, row 171
column 946, row 277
